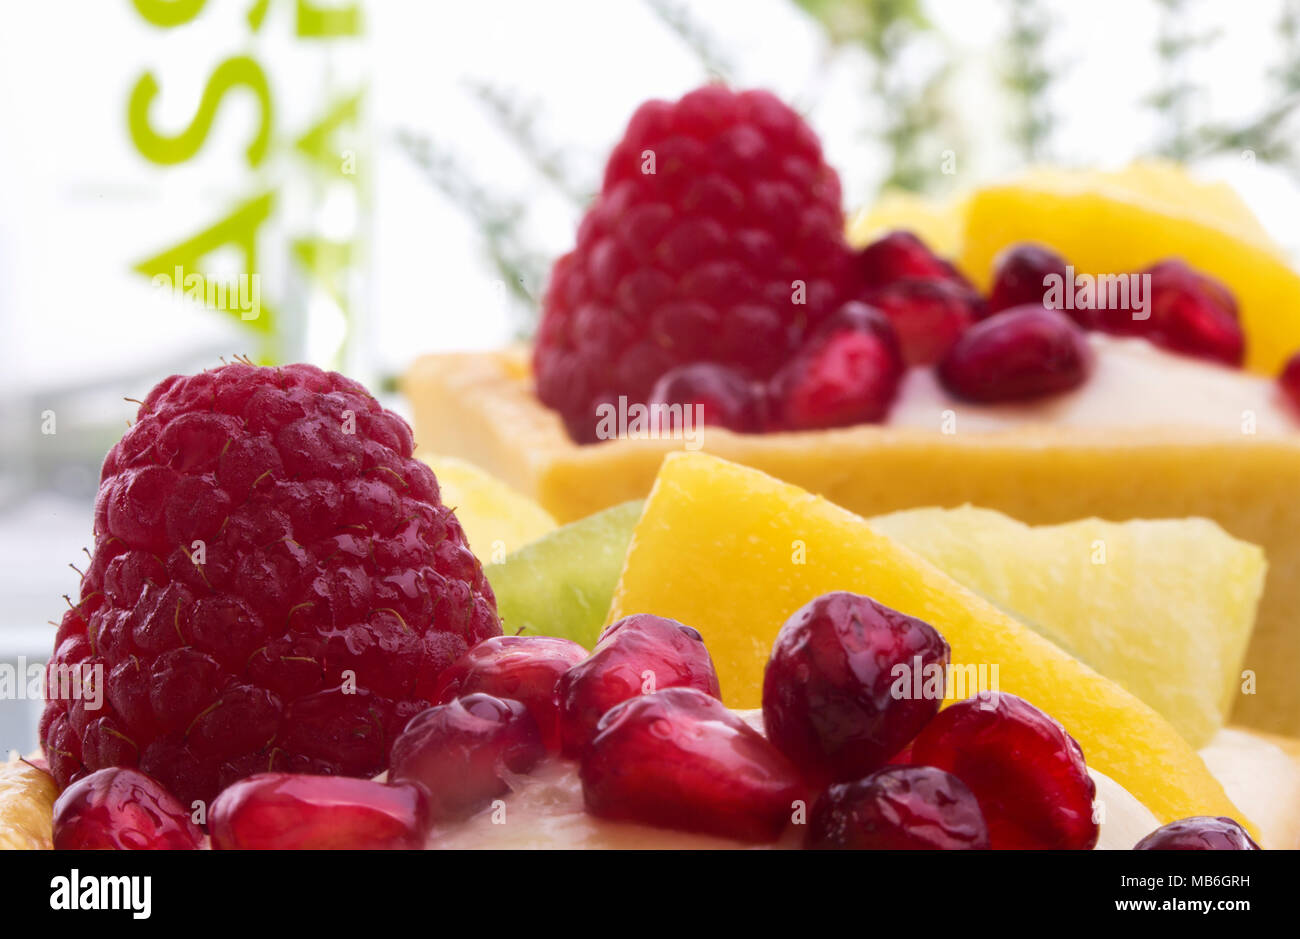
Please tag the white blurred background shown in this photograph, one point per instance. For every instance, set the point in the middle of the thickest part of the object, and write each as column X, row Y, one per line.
column 429, row 220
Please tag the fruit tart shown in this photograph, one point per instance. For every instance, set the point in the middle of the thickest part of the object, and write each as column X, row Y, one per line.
column 1110, row 345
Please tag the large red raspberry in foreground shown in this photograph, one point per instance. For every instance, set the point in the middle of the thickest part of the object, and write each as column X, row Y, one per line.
column 275, row 585
column 717, row 236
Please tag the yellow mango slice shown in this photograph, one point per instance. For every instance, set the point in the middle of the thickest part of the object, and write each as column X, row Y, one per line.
column 26, row 807
column 497, row 518
column 1122, row 223
column 733, row 552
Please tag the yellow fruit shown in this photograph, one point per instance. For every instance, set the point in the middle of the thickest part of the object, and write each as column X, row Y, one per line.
column 939, row 224
column 733, row 552
column 1165, row 608
column 26, row 807
column 496, row 518
column 1118, row 223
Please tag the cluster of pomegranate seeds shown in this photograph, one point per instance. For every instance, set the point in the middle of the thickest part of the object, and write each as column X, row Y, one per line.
column 464, row 752
column 303, row 812
column 830, row 695
column 901, row 808
column 1199, row 833
column 121, row 809
column 1021, row 353
column 678, row 758
column 638, row 655
column 727, row 397
column 1027, row 772
column 847, row 373
column 522, row 668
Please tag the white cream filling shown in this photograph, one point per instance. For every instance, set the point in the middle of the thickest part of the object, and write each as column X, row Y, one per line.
column 545, row 810
column 1133, row 384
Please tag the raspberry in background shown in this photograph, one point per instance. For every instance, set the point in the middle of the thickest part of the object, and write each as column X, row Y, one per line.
column 275, row 586
column 711, row 209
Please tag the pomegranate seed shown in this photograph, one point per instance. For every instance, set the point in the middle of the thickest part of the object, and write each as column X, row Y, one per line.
column 1199, row 833
column 728, row 398
column 897, row 255
column 679, row 759
column 300, row 812
column 928, row 315
column 1289, row 381
column 902, row 808
column 120, row 809
column 637, row 655
column 1021, row 278
column 522, row 668
column 1026, row 771
column 846, row 373
column 833, row 701
column 1023, row 352
column 464, row 752
column 1189, row 313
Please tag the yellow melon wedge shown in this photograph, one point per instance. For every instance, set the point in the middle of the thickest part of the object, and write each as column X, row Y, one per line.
column 733, row 552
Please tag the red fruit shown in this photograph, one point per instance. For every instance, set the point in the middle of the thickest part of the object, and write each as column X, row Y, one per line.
column 679, row 759
column 928, row 315
column 464, row 752
column 717, row 235
column 898, row 255
column 848, row 373
column 523, row 668
column 1021, row 353
column 122, row 810
column 637, row 655
column 1026, row 771
column 727, row 398
column 292, row 812
column 1289, row 382
column 1199, row 833
column 1021, row 278
column 849, row 683
column 1188, row 313
column 262, row 537
column 902, row 808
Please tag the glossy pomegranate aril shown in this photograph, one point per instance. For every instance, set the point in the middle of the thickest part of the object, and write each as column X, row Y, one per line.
column 726, row 397
column 1199, row 833
column 1026, row 771
column 897, row 255
column 1289, row 382
column 121, row 809
column 465, row 751
column 1022, row 353
column 637, row 655
column 928, row 315
column 301, row 812
column 1187, row 312
column 522, row 668
column 1021, row 277
column 849, row 683
column 680, row 759
column 900, row 808
column 846, row 373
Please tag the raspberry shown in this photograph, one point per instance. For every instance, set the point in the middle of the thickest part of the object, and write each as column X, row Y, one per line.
column 275, row 585
column 717, row 236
